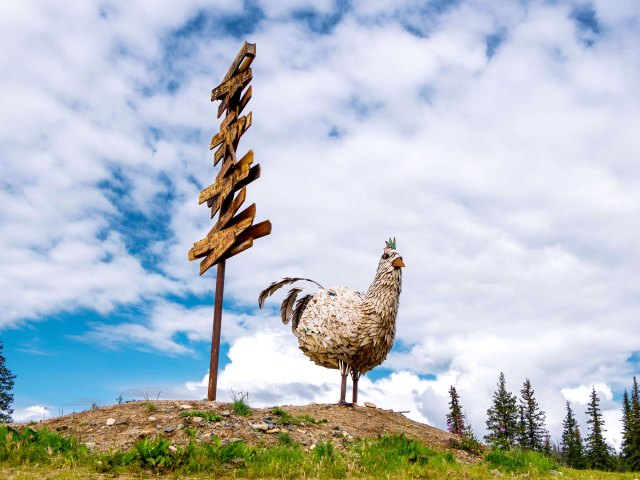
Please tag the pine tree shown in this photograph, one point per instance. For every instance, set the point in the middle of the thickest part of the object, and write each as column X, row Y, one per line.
column 502, row 421
column 571, row 446
column 533, row 431
column 598, row 454
column 6, row 386
column 455, row 417
column 633, row 460
column 627, row 428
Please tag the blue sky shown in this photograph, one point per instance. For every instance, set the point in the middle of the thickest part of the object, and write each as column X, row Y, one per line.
column 495, row 140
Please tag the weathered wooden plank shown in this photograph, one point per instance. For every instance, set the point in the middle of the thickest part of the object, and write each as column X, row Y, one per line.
column 229, row 165
column 243, row 101
column 247, row 50
column 228, row 214
column 245, row 240
column 216, row 254
column 219, row 200
column 229, row 133
column 227, row 137
column 240, row 171
column 240, row 64
column 229, row 87
column 220, row 242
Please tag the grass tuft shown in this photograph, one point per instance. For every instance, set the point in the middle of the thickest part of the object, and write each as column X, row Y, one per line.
column 209, row 416
column 241, row 404
column 285, row 418
column 520, row 461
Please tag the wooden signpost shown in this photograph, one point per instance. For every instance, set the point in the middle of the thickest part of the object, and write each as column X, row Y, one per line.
column 232, row 233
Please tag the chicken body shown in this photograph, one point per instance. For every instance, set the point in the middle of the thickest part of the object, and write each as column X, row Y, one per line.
column 344, row 329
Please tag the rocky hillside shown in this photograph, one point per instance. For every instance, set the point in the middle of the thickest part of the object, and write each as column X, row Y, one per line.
column 120, row 426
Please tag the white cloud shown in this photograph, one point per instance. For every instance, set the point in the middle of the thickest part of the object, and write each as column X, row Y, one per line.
column 32, row 413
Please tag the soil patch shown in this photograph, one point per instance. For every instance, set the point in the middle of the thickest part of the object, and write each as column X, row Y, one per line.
column 120, row 426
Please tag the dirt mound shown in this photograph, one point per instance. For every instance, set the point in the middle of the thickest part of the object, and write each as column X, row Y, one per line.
column 120, row 426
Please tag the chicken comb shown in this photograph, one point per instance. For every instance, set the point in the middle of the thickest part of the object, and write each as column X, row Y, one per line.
column 391, row 243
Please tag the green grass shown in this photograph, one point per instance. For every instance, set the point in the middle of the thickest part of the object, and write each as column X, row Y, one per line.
column 26, row 454
column 285, row 418
column 240, row 404
column 209, row 416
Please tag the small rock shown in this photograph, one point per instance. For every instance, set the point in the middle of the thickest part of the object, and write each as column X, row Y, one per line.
column 173, row 448
column 369, row 415
column 370, row 405
column 158, row 426
column 304, row 443
column 180, row 426
column 185, row 407
column 262, row 426
column 90, row 444
column 197, row 419
column 168, row 430
column 152, row 419
column 225, row 413
column 496, row 472
column 337, row 427
column 274, row 430
column 555, row 472
column 110, row 422
column 122, row 422
column 313, row 447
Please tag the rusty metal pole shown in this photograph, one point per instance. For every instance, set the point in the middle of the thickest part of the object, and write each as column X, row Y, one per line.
column 215, row 336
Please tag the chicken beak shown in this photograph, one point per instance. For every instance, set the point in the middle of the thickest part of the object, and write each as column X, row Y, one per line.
column 398, row 263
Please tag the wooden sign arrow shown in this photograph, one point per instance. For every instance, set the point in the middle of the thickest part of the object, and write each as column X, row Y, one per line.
column 217, row 202
column 241, row 63
column 239, row 172
column 218, row 235
column 246, row 238
column 227, row 136
column 222, row 242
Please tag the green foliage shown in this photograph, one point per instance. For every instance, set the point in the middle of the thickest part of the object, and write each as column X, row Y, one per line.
column 6, row 387
column 502, row 421
column 208, row 416
column 598, row 455
column 531, row 428
column 468, row 443
column 28, row 446
column 285, row 418
column 286, row 440
column 241, row 404
column 455, row 417
column 571, row 445
column 631, row 429
column 520, row 461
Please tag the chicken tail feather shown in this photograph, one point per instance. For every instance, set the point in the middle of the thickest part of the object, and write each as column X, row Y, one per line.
column 298, row 310
column 275, row 286
column 286, row 310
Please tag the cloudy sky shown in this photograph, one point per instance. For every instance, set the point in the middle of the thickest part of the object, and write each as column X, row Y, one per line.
column 494, row 140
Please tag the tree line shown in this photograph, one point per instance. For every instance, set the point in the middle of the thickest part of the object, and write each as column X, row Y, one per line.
column 520, row 423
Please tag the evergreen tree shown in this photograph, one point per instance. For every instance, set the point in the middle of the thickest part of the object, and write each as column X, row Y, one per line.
column 632, row 461
column 571, row 446
column 455, row 417
column 533, row 431
column 6, row 386
column 502, row 421
column 627, row 428
column 598, row 454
